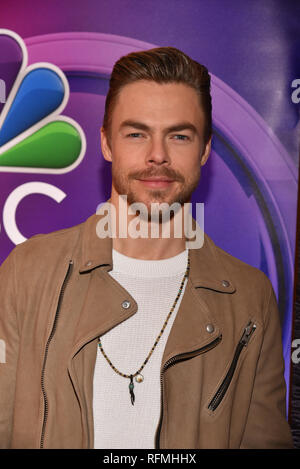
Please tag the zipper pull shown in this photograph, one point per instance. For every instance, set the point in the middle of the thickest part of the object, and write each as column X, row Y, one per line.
column 248, row 331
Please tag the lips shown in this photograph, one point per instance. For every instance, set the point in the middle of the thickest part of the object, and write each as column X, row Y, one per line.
column 159, row 178
column 157, row 182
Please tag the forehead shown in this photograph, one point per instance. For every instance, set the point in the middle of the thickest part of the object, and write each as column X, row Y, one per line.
column 157, row 103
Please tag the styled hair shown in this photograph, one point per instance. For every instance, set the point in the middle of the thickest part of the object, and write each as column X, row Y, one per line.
column 162, row 65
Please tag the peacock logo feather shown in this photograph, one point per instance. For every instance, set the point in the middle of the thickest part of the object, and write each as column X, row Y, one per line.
column 34, row 136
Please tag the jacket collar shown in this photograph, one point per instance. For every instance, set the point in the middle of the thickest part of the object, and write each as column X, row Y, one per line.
column 206, row 263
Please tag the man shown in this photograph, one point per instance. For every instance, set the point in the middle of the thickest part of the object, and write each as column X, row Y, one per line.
column 141, row 342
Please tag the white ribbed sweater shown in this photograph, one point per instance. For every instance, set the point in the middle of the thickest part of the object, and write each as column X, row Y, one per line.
column 154, row 286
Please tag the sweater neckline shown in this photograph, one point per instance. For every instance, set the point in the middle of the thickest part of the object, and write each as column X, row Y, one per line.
column 149, row 268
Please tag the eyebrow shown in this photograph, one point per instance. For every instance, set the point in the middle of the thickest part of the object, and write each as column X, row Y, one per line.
column 173, row 128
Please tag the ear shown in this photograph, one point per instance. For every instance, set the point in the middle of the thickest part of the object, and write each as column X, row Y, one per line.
column 206, row 152
column 106, row 151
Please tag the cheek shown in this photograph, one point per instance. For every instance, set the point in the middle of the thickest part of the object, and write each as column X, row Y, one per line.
column 126, row 156
column 188, row 166
column 185, row 155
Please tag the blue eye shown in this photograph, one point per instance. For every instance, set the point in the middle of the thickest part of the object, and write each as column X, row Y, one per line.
column 134, row 134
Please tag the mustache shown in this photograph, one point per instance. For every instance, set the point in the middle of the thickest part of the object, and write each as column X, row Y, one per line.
column 166, row 172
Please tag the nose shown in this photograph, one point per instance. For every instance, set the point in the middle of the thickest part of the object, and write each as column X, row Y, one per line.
column 158, row 152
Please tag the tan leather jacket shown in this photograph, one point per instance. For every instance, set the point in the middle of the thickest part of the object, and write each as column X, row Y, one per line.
column 222, row 383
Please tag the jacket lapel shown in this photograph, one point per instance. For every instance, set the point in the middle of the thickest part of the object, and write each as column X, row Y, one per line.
column 196, row 323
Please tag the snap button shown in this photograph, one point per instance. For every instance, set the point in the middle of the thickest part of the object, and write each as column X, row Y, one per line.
column 225, row 283
column 88, row 263
column 210, row 328
column 126, row 304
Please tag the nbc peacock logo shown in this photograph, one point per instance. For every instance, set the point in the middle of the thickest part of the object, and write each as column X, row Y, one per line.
column 34, row 136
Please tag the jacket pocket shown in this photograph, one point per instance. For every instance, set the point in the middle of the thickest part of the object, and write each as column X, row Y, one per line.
column 219, row 395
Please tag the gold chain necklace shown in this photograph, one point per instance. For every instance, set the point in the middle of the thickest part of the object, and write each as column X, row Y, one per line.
column 138, row 376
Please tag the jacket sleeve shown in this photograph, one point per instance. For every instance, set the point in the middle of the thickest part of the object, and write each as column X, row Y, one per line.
column 266, row 425
column 9, row 346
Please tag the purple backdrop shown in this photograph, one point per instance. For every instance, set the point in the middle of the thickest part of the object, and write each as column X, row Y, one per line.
column 249, row 184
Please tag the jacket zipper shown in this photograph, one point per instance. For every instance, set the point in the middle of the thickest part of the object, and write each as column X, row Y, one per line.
column 61, row 294
column 243, row 342
column 171, row 362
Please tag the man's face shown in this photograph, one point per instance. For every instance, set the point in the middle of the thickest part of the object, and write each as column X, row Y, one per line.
column 156, row 145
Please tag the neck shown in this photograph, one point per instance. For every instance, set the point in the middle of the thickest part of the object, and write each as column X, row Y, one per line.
column 156, row 240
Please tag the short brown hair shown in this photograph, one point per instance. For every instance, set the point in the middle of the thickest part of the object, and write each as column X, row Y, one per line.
column 162, row 65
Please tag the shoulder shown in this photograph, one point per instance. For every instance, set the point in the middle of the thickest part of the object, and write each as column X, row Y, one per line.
column 47, row 246
column 240, row 270
column 250, row 284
